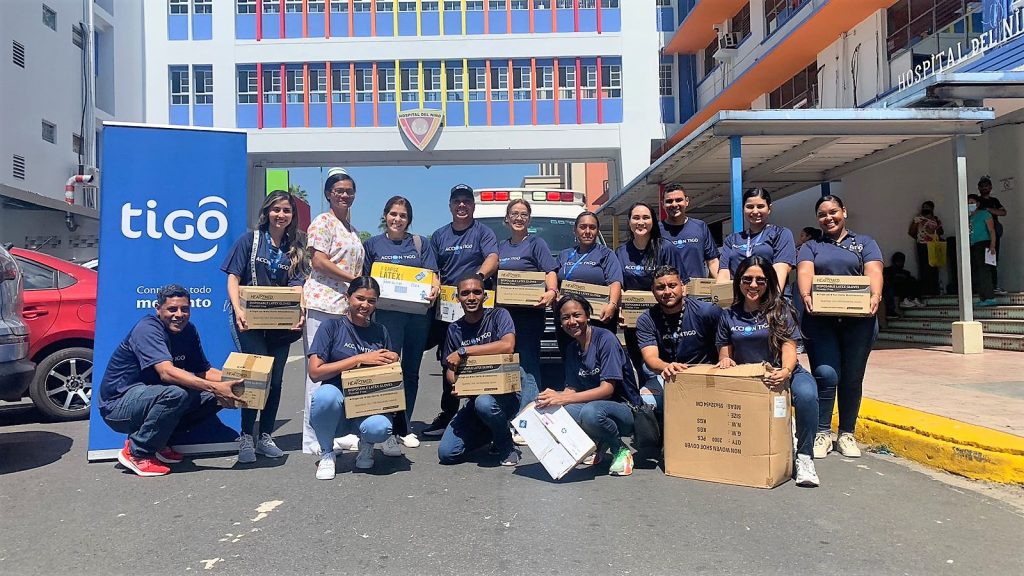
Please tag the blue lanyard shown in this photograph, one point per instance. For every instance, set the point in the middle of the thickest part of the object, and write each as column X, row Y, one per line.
column 274, row 255
column 575, row 251
column 754, row 242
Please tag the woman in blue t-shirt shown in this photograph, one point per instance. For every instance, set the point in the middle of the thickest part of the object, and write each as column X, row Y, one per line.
column 758, row 238
column 761, row 327
column 599, row 384
column 341, row 344
column 838, row 346
column 524, row 252
column 408, row 331
column 591, row 263
column 272, row 255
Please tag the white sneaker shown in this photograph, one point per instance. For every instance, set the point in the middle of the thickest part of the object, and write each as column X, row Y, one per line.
column 325, row 468
column 364, row 459
column 246, row 449
column 517, row 439
column 409, row 441
column 349, row 442
column 847, row 446
column 822, row 444
column 265, row 445
column 907, row 303
column 919, row 304
column 390, row 447
column 805, row 473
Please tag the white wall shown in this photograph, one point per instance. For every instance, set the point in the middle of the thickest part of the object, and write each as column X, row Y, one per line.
column 641, row 121
column 836, row 76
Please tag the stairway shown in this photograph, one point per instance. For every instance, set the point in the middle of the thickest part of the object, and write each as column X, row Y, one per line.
column 1003, row 325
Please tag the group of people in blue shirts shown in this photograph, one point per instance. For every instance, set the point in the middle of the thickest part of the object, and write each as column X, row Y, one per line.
column 146, row 394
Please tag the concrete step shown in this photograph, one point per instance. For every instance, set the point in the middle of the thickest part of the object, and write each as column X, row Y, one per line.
column 994, row 313
column 1012, row 299
column 945, row 325
column 1011, row 342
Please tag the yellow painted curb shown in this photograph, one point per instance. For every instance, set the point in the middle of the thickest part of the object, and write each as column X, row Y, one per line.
column 944, row 443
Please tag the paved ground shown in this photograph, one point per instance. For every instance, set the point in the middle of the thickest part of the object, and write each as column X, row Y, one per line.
column 410, row 515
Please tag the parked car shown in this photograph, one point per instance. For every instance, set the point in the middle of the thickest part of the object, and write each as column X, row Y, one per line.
column 16, row 369
column 60, row 310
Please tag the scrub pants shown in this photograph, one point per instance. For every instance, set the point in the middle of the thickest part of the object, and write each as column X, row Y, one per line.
column 838, row 349
column 481, row 420
column 605, row 421
column 529, row 325
column 982, row 275
column 314, row 318
column 408, row 333
column 150, row 414
column 327, row 417
column 275, row 343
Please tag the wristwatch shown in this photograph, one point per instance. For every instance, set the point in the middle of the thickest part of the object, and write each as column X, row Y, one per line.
column 462, row 352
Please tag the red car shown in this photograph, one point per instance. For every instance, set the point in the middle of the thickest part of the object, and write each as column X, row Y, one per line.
column 60, row 310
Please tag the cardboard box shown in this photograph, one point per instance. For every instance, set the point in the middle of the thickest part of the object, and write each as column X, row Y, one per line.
column 598, row 296
column 490, row 374
column 448, row 307
column 520, row 288
column 635, row 303
column 725, row 425
column 710, row 290
column 373, row 390
column 841, row 295
column 255, row 370
column 271, row 307
column 554, row 438
column 403, row 288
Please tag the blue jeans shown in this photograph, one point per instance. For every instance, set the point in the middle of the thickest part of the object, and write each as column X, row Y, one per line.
column 481, row 420
column 838, row 350
column 408, row 334
column 605, row 421
column 273, row 343
column 151, row 413
column 327, row 417
column 654, row 384
column 529, row 324
column 805, row 406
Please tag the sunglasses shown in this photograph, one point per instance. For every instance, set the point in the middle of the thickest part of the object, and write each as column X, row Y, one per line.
column 748, row 280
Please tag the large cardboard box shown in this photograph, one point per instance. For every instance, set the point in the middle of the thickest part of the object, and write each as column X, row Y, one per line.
column 448, row 307
column 554, row 438
column 255, row 371
column 841, row 295
column 271, row 307
column 710, row 290
column 725, row 425
column 373, row 390
column 489, row 374
column 598, row 296
column 403, row 288
column 635, row 303
column 520, row 288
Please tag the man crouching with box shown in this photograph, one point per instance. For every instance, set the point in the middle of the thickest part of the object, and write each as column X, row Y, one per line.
column 158, row 383
column 485, row 417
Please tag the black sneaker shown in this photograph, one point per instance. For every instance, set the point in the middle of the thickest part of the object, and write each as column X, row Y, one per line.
column 436, row 428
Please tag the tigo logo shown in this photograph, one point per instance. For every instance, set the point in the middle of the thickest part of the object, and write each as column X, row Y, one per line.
column 180, row 225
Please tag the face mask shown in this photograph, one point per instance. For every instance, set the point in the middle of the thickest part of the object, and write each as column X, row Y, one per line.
column 972, row 207
column 926, row 212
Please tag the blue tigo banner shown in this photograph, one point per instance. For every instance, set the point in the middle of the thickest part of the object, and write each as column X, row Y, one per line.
column 172, row 201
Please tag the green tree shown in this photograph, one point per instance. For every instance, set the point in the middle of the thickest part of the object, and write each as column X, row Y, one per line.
column 298, row 191
column 364, row 236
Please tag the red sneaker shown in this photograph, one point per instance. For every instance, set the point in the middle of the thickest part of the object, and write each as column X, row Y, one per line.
column 141, row 466
column 169, row 456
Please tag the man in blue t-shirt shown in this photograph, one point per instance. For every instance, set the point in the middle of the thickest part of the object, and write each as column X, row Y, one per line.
column 695, row 254
column 464, row 247
column 158, row 382
column 484, row 419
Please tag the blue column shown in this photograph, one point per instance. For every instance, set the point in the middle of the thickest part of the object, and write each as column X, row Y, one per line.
column 736, row 182
column 826, row 189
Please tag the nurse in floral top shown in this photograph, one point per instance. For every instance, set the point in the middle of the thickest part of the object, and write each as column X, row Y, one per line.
column 337, row 258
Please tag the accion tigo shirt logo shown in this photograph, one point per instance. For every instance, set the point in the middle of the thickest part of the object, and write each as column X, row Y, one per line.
column 179, row 225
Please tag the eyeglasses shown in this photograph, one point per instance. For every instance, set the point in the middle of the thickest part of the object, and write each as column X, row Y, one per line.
column 518, row 215
column 343, row 191
column 748, row 280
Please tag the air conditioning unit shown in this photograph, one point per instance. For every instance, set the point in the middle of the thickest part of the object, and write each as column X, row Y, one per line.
column 727, row 43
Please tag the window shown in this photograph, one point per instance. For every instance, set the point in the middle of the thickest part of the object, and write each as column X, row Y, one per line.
column 271, row 86
column 520, row 4
column 499, row 83
column 386, row 6
column 709, row 53
column 179, row 84
column 364, row 85
column 800, row 91
column 18, row 53
column 542, row 4
column 611, row 81
column 778, row 12
column 78, row 35
column 49, row 132
column 341, row 85
column 431, row 84
column 271, row 8
column 454, row 83
column 245, row 6
column 203, row 77
column 296, row 84
column 385, row 84
column 497, row 4
column 247, row 86
column 316, row 6
column 566, row 82
column 741, row 22
column 361, row 5
column 452, row 5
column 76, row 144
column 477, row 84
column 293, row 6
column 407, row 6
column 36, row 276
column 429, row 6
column 665, row 79
column 474, row 5
column 609, row 3
column 317, row 85
column 49, row 18
column 522, row 82
column 202, row 6
column 663, row 3
column 410, row 85
column 338, row 6
column 588, row 83
column 18, row 166
column 177, row 6
column 910, row 22
column 564, row 4
column 545, row 83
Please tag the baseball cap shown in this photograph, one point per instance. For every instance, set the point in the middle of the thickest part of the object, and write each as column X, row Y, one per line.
column 336, row 170
column 461, row 190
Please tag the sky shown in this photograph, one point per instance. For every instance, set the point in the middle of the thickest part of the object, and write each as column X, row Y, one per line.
column 426, row 188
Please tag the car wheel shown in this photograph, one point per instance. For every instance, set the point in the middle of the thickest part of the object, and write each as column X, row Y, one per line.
column 62, row 387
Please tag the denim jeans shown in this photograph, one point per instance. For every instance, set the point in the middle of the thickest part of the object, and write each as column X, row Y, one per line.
column 804, row 391
column 151, row 413
column 655, row 391
column 327, row 417
column 838, row 349
column 605, row 421
column 481, row 420
column 314, row 318
column 529, row 324
column 981, row 273
column 264, row 343
column 408, row 333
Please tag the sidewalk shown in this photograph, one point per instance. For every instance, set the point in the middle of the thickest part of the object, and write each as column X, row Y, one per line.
column 961, row 413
